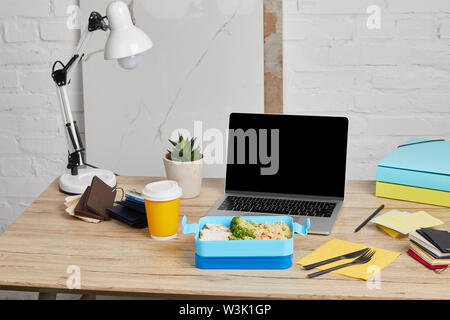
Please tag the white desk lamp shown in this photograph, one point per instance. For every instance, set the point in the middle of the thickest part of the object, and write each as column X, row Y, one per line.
column 125, row 43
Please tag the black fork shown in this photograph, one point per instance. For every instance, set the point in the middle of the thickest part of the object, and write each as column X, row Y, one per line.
column 366, row 257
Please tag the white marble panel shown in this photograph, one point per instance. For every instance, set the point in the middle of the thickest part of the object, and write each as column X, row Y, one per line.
column 207, row 61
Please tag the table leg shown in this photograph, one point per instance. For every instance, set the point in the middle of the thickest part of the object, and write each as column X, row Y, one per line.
column 47, row 296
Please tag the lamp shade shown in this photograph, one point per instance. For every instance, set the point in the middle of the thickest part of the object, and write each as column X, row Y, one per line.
column 125, row 39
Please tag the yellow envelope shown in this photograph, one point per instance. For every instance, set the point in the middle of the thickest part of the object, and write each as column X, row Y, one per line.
column 337, row 247
column 405, row 223
column 71, row 200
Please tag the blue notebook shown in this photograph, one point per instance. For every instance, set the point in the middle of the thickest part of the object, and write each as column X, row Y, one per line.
column 423, row 165
column 138, row 207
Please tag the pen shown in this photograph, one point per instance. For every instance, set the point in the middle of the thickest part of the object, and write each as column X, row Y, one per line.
column 370, row 217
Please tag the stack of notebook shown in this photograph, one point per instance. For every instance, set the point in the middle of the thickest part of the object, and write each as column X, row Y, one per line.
column 130, row 211
column 417, row 171
column 430, row 247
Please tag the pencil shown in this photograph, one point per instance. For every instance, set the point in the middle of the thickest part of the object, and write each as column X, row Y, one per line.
column 369, row 218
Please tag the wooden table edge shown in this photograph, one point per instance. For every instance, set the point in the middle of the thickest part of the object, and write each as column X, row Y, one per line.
column 196, row 296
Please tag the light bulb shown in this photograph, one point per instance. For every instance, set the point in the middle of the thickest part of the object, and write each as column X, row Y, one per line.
column 130, row 62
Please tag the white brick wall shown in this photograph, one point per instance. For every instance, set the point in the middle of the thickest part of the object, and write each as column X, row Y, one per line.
column 33, row 148
column 393, row 83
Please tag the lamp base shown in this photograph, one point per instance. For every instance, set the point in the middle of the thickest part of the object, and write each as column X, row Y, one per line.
column 77, row 184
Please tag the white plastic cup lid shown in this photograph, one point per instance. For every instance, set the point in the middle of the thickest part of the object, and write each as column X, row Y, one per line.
column 162, row 191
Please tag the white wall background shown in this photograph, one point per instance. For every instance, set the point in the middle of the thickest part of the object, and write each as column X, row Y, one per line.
column 33, row 151
column 392, row 83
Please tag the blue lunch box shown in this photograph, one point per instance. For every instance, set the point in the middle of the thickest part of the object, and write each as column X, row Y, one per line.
column 244, row 254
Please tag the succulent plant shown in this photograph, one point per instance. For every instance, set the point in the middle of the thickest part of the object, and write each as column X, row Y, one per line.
column 184, row 150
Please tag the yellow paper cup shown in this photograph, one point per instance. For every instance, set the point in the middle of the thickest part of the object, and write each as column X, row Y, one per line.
column 162, row 205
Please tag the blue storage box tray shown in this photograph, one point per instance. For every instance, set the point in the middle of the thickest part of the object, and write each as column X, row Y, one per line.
column 422, row 165
column 244, row 254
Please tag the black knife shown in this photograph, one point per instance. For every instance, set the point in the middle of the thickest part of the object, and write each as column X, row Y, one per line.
column 345, row 256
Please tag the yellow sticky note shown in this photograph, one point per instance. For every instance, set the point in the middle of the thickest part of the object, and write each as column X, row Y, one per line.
column 392, row 233
column 337, row 247
column 405, row 223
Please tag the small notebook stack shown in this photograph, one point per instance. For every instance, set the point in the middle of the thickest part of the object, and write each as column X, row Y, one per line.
column 130, row 211
column 430, row 247
column 418, row 171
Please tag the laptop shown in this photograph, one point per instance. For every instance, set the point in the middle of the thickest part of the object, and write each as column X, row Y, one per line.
column 281, row 164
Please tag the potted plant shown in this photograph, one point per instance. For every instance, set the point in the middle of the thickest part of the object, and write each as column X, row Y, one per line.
column 184, row 164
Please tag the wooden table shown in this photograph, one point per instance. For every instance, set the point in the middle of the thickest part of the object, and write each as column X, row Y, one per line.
column 114, row 259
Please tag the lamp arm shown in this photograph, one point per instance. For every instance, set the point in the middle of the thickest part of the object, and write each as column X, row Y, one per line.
column 96, row 22
column 62, row 78
column 79, row 53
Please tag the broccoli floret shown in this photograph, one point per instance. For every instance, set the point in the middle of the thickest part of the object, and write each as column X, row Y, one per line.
column 241, row 229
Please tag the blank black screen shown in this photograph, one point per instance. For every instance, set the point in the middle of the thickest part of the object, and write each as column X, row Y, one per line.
column 312, row 155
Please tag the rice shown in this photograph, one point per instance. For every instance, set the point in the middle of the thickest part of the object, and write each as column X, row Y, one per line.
column 262, row 231
column 276, row 231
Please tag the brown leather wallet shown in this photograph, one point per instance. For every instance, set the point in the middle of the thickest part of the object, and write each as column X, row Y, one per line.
column 95, row 200
column 82, row 210
column 100, row 197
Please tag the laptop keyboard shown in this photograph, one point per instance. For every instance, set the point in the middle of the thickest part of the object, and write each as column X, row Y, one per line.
column 278, row 206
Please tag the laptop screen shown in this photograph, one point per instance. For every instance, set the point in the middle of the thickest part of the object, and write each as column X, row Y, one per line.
column 289, row 154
